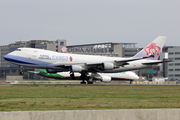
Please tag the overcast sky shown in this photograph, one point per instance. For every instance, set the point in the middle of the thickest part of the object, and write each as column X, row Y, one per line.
column 90, row 21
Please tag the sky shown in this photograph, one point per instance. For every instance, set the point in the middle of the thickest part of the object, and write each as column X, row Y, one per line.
column 90, row 21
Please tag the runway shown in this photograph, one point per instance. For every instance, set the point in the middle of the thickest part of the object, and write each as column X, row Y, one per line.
column 77, row 82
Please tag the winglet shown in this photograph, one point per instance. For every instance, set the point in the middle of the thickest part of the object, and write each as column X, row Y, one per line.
column 152, row 50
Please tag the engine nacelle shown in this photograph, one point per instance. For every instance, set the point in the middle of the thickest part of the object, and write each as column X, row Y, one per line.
column 108, row 66
column 76, row 68
column 106, row 79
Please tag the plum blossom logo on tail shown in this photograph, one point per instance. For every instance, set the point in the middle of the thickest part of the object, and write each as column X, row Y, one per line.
column 152, row 49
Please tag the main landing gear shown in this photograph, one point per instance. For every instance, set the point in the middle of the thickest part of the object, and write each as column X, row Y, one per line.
column 85, row 77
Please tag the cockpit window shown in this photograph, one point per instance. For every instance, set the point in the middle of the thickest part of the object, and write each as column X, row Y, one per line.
column 18, row 50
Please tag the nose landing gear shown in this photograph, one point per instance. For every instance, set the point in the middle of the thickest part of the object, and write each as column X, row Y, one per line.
column 21, row 72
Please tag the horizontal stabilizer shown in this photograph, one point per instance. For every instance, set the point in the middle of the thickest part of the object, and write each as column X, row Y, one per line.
column 157, row 62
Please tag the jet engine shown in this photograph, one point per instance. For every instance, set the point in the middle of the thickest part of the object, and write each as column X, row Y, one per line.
column 76, row 68
column 108, row 66
column 106, row 79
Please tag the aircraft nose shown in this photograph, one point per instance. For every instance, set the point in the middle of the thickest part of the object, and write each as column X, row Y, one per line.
column 7, row 57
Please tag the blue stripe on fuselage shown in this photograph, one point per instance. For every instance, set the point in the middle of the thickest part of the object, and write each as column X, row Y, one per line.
column 23, row 60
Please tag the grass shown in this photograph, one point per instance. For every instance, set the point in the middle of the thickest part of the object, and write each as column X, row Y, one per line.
column 21, row 98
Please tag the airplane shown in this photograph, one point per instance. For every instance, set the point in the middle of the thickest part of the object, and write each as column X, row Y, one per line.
column 55, row 62
column 103, row 77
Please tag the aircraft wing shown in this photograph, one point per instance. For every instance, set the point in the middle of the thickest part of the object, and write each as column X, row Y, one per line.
column 120, row 62
column 99, row 66
column 116, row 62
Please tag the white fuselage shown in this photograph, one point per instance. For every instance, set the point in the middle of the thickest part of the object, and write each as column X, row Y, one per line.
column 37, row 58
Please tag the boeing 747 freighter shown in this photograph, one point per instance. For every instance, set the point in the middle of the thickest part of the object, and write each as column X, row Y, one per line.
column 55, row 62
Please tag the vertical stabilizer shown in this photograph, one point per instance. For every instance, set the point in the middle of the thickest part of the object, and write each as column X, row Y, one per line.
column 154, row 48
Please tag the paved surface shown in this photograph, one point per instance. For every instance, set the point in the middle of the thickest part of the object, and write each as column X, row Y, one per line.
column 124, row 114
column 76, row 82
